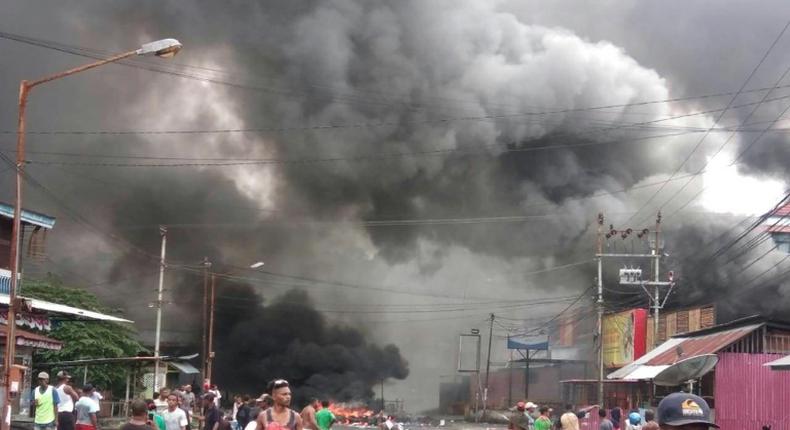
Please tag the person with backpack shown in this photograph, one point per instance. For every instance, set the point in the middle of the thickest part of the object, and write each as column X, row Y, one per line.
column 45, row 402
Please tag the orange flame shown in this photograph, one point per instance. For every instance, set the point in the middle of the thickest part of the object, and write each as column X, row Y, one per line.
column 349, row 413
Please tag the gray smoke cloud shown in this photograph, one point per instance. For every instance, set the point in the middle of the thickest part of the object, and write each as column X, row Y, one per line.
column 443, row 96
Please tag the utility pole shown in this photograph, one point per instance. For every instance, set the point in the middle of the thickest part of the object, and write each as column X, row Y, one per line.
column 163, row 233
column 382, row 395
column 599, row 303
column 633, row 276
column 657, row 252
column 488, row 364
column 210, row 364
column 204, row 318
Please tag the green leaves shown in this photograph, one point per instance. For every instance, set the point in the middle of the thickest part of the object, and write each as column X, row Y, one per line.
column 85, row 339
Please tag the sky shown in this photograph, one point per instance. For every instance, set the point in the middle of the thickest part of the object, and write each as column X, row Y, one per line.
column 413, row 166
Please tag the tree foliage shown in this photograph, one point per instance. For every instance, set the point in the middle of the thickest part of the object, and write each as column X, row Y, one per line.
column 84, row 339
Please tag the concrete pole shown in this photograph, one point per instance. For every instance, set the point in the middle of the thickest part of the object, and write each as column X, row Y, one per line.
column 163, row 233
column 210, row 363
column 599, row 303
column 488, row 364
column 656, row 302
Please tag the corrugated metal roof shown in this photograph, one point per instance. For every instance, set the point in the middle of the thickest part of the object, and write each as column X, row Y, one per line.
column 705, row 344
column 67, row 310
column 635, row 366
column 780, row 364
column 29, row 217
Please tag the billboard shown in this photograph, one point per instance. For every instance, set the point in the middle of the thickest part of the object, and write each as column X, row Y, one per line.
column 469, row 353
column 624, row 337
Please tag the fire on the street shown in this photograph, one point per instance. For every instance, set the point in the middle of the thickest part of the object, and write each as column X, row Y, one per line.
column 350, row 413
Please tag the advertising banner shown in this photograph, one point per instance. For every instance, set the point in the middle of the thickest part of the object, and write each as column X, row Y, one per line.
column 624, row 337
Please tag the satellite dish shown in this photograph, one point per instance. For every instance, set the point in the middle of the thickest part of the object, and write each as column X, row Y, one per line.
column 686, row 370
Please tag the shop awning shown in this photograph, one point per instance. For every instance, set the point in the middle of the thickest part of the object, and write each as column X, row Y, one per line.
column 780, row 364
column 184, row 367
column 56, row 308
column 34, row 340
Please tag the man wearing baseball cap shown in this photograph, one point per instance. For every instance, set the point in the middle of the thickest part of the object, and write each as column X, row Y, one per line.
column 684, row 411
column 519, row 420
column 45, row 402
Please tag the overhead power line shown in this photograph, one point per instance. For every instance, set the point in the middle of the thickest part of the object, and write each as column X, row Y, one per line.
column 718, row 118
column 159, row 68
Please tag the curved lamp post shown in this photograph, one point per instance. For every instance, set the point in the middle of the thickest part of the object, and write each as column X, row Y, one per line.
column 165, row 48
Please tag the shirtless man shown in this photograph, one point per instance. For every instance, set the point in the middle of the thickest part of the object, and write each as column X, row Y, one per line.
column 280, row 416
column 308, row 414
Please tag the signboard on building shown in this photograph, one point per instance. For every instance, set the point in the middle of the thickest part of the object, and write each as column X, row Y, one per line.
column 624, row 337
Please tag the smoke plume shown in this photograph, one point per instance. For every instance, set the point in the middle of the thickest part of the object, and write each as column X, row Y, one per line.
column 426, row 163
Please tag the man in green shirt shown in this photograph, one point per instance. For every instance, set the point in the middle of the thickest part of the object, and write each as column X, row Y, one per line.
column 324, row 418
column 543, row 422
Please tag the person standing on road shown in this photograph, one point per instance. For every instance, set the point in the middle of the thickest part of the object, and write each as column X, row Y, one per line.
column 324, row 417
column 280, row 416
column 154, row 418
column 86, row 409
column 519, row 419
column 543, row 422
column 161, row 401
column 308, row 414
column 189, row 399
column 617, row 416
column 684, row 411
column 243, row 416
column 67, row 397
column 212, row 415
column 45, row 401
column 569, row 420
column 175, row 418
column 606, row 423
column 139, row 419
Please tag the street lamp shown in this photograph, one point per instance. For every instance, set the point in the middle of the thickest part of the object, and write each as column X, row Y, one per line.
column 165, row 48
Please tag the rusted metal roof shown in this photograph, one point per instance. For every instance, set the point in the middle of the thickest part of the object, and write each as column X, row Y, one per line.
column 704, row 344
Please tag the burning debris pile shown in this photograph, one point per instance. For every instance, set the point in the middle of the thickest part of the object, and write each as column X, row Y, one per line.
column 353, row 413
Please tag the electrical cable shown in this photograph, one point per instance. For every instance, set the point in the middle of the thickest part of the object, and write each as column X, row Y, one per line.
column 718, row 118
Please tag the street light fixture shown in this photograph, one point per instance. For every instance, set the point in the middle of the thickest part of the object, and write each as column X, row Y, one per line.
column 257, row 265
column 165, row 48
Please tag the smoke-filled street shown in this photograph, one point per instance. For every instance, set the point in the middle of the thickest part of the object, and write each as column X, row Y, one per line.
column 420, row 212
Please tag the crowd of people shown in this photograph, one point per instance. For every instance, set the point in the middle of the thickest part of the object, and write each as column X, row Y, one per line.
column 677, row 411
column 63, row 407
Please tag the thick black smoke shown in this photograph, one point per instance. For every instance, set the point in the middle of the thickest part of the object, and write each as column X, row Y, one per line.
column 290, row 339
column 419, row 111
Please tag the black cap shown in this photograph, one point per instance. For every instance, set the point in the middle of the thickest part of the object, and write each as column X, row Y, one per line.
column 679, row 409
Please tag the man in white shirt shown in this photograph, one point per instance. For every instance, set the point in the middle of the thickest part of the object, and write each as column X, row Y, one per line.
column 175, row 417
column 161, row 401
column 87, row 409
column 67, row 397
